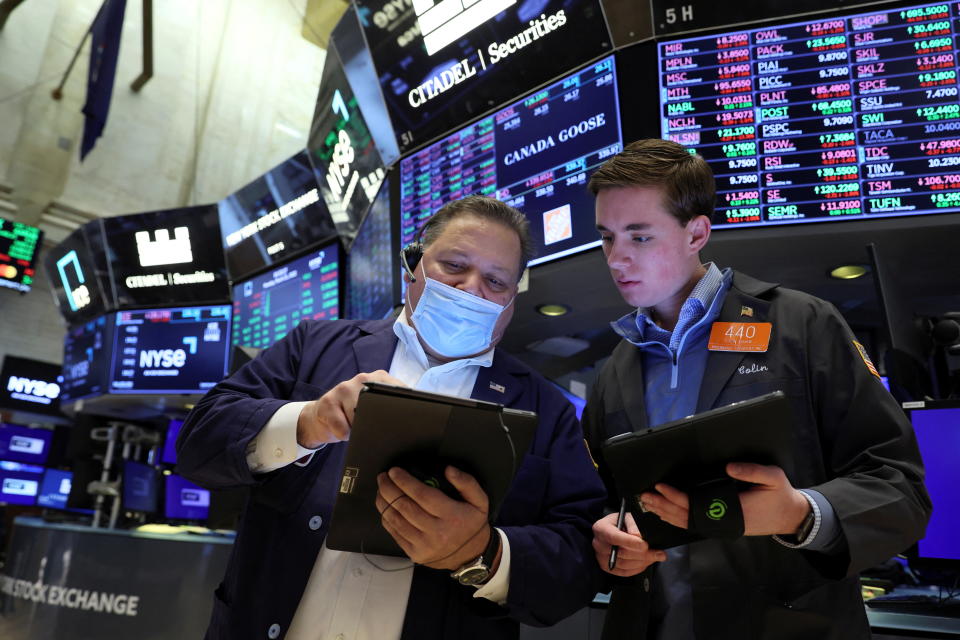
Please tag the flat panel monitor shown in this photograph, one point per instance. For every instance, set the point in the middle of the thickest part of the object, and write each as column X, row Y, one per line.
column 166, row 257
column 30, row 385
column 19, row 246
column 444, row 63
column 78, row 276
column 19, row 483
column 170, row 351
column 342, row 150
column 185, row 500
column 269, row 306
column 937, row 425
column 169, row 454
column 140, row 485
column 841, row 118
column 278, row 215
column 55, row 489
column 373, row 286
column 86, row 359
column 24, row 444
column 534, row 154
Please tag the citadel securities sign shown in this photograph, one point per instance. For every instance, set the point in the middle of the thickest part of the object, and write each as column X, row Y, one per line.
column 444, row 62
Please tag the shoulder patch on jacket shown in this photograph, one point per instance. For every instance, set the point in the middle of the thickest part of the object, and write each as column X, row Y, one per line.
column 866, row 358
column 596, row 467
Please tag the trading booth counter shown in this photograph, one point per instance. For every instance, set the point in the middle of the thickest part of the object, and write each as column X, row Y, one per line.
column 73, row 582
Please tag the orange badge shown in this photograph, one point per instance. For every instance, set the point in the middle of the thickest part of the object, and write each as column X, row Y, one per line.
column 740, row 336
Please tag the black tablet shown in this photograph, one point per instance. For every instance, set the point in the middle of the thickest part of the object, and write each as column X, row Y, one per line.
column 694, row 451
column 422, row 432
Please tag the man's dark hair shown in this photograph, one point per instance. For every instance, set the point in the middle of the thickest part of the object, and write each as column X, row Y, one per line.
column 488, row 209
column 685, row 178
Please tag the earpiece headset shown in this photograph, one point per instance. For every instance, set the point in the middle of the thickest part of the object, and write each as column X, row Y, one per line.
column 411, row 254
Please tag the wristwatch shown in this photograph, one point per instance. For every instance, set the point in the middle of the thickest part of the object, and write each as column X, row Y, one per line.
column 477, row 571
column 806, row 526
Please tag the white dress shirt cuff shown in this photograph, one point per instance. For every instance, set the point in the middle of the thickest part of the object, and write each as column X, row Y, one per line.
column 276, row 445
column 496, row 588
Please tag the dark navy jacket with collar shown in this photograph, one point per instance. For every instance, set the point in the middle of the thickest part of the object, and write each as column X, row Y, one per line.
column 547, row 515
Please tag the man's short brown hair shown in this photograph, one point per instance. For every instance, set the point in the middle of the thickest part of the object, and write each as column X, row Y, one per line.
column 488, row 209
column 685, row 178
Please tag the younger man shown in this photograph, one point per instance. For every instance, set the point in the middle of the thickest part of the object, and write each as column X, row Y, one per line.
column 856, row 496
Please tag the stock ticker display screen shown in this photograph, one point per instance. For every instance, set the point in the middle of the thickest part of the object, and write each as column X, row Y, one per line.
column 848, row 117
column 86, row 359
column 19, row 245
column 269, row 306
column 371, row 290
column 534, row 155
column 182, row 350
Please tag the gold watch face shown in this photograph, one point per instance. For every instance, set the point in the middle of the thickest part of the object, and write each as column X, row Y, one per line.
column 473, row 575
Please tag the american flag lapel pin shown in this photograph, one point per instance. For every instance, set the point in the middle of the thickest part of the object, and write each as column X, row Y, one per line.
column 746, row 311
column 497, row 387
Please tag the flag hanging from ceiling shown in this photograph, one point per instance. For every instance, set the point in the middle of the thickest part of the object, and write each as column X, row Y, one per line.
column 105, row 31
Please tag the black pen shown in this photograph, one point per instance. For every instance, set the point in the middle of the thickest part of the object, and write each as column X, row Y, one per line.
column 620, row 520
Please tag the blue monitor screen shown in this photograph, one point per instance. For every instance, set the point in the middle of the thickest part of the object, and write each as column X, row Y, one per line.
column 86, row 359
column 851, row 117
column 23, row 444
column 534, row 155
column 371, row 289
column 938, row 434
column 185, row 500
column 140, row 487
column 54, row 490
column 183, row 350
column 267, row 307
column 19, row 483
column 169, row 455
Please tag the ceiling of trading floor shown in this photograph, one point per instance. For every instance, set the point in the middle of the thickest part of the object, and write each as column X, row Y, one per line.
column 921, row 253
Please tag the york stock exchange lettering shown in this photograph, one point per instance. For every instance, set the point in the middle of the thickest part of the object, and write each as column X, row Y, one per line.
column 496, row 51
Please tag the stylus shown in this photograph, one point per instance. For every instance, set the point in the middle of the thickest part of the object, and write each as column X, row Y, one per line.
column 620, row 520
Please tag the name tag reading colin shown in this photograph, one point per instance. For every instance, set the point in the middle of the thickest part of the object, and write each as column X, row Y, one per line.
column 740, row 336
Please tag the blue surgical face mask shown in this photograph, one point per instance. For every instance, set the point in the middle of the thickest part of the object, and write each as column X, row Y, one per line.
column 453, row 322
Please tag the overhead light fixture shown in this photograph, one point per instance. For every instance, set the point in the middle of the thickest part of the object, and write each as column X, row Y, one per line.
column 849, row 271
column 553, row 310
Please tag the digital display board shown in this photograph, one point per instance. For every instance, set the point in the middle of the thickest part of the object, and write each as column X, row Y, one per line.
column 269, row 306
column 445, row 63
column 86, row 359
column 19, row 483
column 55, row 489
column 342, row 150
column 166, row 257
column 274, row 217
column 30, row 385
column 140, row 487
column 534, row 155
column 19, row 246
column 169, row 455
column 185, row 500
column 183, row 350
column 24, row 444
column 838, row 118
column 372, row 287
column 78, row 275
column 938, row 436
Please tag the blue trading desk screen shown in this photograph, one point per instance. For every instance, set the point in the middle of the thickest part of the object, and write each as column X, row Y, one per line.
column 86, row 359
column 19, row 483
column 269, row 306
column 55, row 489
column 938, row 435
column 23, row 444
column 535, row 155
column 841, row 118
column 185, row 500
column 370, row 291
column 141, row 488
column 183, row 350
column 169, row 455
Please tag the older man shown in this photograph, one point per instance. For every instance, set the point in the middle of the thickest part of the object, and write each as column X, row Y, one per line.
column 279, row 425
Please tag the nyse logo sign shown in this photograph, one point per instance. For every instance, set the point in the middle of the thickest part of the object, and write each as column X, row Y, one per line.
column 446, row 21
column 38, row 391
column 163, row 249
column 77, row 297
